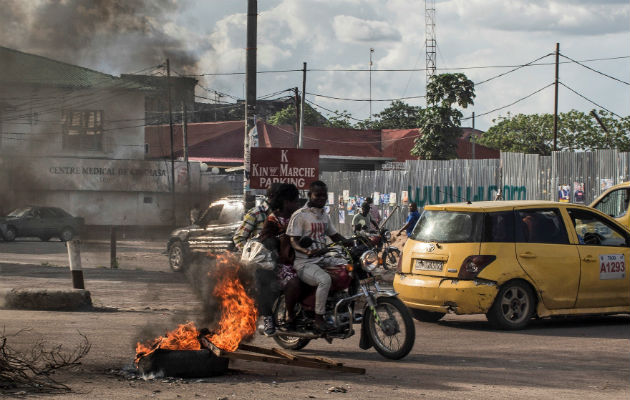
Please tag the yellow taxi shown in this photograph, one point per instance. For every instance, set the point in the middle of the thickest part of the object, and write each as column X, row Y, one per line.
column 513, row 260
column 615, row 202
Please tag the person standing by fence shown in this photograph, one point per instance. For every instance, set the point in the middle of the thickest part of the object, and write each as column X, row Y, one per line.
column 412, row 219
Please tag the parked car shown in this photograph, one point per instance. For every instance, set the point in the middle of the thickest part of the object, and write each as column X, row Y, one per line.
column 213, row 232
column 41, row 222
column 513, row 260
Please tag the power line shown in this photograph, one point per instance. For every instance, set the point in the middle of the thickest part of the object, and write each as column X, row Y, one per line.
column 404, row 69
column 596, row 71
column 331, row 111
column 512, row 70
column 590, row 101
column 348, row 99
column 511, row 104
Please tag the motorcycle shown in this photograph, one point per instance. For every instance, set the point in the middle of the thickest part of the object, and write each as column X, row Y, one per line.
column 380, row 242
column 386, row 323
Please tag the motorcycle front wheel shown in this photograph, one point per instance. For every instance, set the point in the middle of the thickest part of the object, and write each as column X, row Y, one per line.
column 285, row 341
column 394, row 334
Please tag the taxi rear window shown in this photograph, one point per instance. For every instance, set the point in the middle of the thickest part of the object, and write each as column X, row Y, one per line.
column 449, row 227
column 498, row 227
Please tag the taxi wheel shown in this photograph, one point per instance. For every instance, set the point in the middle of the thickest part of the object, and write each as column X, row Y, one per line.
column 513, row 307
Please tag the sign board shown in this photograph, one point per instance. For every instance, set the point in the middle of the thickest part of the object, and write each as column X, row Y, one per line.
column 297, row 166
column 100, row 175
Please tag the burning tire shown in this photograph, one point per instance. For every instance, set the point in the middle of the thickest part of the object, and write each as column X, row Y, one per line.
column 394, row 334
column 177, row 257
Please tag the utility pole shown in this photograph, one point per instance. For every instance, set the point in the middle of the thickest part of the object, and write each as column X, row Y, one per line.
column 170, row 123
column 297, row 113
column 301, row 134
column 555, row 103
column 473, row 138
column 185, row 143
column 250, row 89
column 371, row 51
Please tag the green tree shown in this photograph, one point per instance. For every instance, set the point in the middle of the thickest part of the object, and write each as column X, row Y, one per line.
column 286, row 116
column 440, row 123
column 398, row 115
column 521, row 133
column 533, row 133
column 340, row 119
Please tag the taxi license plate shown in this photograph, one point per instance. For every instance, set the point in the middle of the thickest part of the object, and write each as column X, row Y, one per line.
column 429, row 265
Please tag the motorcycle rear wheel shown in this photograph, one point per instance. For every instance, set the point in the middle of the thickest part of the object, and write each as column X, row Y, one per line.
column 285, row 341
column 387, row 336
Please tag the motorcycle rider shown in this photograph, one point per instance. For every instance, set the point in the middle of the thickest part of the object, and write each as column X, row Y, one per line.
column 313, row 221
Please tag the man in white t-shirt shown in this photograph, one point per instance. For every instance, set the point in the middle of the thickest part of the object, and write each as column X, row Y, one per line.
column 312, row 221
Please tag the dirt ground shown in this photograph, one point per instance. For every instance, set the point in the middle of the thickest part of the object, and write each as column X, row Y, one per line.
column 459, row 357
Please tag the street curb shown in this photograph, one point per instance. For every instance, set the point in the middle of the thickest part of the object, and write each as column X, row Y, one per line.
column 46, row 300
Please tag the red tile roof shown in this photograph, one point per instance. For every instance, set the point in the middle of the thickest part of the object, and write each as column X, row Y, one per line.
column 225, row 140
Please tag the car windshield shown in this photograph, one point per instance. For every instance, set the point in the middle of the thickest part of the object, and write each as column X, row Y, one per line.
column 20, row 212
column 232, row 213
column 448, row 227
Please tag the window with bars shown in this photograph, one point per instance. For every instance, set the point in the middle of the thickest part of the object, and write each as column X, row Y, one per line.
column 82, row 129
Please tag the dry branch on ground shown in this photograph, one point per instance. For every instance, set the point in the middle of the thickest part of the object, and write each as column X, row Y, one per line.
column 32, row 370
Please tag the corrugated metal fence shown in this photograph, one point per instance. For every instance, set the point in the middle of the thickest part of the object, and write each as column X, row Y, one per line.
column 571, row 176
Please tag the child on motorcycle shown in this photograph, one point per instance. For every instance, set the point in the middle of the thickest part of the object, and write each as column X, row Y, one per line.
column 312, row 221
column 284, row 278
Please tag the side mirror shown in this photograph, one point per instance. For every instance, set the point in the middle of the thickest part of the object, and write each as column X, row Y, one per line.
column 305, row 242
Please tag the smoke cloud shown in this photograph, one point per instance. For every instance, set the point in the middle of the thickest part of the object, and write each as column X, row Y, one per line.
column 112, row 36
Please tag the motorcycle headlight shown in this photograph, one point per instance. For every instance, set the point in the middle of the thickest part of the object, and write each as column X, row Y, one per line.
column 369, row 261
column 387, row 235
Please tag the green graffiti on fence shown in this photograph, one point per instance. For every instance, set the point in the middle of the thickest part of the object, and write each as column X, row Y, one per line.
column 454, row 194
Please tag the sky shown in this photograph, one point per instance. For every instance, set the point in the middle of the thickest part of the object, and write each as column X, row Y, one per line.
column 209, row 37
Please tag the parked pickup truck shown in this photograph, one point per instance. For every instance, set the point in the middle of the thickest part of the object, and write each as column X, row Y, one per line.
column 615, row 202
column 212, row 233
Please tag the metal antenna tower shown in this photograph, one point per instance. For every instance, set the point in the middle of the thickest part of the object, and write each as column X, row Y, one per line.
column 430, row 41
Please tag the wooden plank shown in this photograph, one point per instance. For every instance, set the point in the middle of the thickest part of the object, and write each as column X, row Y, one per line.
column 255, row 349
column 298, row 362
column 284, row 354
column 325, row 360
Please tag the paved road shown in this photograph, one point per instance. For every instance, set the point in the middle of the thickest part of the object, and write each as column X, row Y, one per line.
column 131, row 254
column 460, row 357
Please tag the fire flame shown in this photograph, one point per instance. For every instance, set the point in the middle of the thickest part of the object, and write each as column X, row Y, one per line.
column 238, row 317
column 238, row 311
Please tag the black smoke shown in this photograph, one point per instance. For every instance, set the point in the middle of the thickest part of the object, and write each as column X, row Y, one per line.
column 114, row 36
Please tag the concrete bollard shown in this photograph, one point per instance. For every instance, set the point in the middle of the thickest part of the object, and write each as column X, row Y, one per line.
column 113, row 261
column 74, row 257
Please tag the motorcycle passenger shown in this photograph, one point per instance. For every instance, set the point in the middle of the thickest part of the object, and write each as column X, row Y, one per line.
column 284, row 278
column 313, row 221
column 254, row 219
column 362, row 219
